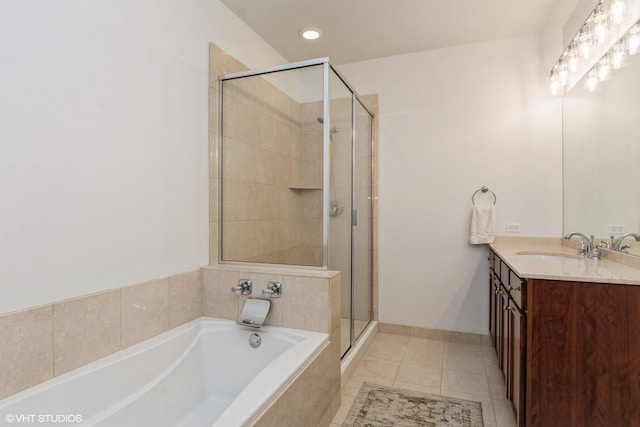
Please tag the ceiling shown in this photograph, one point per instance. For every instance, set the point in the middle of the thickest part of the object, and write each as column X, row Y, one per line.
column 357, row 30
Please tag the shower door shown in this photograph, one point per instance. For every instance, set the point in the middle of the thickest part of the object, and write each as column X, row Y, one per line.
column 362, row 246
column 350, row 212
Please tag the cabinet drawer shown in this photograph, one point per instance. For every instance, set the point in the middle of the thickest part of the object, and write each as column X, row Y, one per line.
column 494, row 262
column 504, row 273
column 518, row 290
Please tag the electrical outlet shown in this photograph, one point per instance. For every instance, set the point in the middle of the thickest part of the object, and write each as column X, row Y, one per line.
column 512, row 227
column 616, row 228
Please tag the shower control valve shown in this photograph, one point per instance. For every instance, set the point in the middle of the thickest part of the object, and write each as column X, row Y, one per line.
column 243, row 287
column 273, row 290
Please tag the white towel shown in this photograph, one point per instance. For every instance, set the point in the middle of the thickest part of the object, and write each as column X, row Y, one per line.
column 483, row 224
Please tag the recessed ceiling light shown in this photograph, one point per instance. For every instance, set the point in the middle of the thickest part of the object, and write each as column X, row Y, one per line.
column 309, row 33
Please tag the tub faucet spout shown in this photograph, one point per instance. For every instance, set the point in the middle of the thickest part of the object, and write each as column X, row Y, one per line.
column 254, row 312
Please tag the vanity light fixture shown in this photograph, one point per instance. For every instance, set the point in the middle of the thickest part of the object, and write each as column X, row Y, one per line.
column 310, row 33
column 615, row 59
column 596, row 35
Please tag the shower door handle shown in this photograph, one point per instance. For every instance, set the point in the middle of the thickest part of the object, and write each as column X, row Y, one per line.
column 354, row 217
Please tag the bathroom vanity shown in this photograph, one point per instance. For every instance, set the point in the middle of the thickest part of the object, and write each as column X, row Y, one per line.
column 566, row 332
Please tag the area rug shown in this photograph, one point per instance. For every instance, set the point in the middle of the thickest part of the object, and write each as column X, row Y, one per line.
column 379, row 406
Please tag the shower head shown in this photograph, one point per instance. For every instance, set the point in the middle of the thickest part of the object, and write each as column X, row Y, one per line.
column 321, row 121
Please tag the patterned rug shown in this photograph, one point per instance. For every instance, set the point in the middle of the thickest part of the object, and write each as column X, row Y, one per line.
column 378, row 406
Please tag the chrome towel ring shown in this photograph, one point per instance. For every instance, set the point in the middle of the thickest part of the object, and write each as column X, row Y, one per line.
column 483, row 189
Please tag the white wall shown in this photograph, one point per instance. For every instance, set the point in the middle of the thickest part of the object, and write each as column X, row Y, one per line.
column 451, row 121
column 104, row 141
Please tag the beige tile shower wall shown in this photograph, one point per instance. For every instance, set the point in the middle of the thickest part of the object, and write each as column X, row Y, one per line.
column 311, row 173
column 261, row 139
column 42, row 342
column 220, row 63
column 263, row 218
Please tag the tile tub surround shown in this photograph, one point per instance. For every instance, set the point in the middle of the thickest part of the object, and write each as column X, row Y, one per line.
column 310, row 298
column 612, row 268
column 42, row 342
column 313, row 398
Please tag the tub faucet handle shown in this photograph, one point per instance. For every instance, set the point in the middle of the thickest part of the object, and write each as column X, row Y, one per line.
column 243, row 287
column 273, row 290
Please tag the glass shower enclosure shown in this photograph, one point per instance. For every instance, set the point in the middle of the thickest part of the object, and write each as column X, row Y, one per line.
column 295, row 163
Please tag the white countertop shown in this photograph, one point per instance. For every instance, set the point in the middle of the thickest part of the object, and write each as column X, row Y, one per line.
column 579, row 269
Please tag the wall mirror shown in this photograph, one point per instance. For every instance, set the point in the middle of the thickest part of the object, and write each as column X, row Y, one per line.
column 601, row 157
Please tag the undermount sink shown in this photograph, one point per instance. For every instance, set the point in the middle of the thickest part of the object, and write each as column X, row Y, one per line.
column 548, row 255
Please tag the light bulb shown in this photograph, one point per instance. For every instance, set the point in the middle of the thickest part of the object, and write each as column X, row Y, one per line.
column 555, row 87
column 563, row 73
column 571, row 55
column 584, row 42
column 310, row 33
column 600, row 22
column 600, row 30
column 619, row 56
column 604, row 69
column 554, row 84
column 617, row 10
column 591, row 82
column 633, row 40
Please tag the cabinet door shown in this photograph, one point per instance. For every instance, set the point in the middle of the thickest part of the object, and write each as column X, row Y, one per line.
column 494, row 288
column 517, row 361
column 503, row 333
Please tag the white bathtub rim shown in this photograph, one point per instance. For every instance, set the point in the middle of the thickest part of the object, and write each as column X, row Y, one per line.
column 293, row 363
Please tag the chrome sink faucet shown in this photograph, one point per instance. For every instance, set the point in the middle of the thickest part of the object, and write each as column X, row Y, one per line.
column 616, row 243
column 587, row 248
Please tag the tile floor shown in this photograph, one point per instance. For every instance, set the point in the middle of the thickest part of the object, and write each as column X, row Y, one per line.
column 466, row 371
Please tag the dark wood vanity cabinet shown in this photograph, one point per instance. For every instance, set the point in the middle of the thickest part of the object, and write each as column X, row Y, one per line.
column 570, row 351
column 507, row 327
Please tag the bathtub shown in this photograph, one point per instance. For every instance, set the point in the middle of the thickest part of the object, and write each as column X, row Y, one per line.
column 203, row 373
